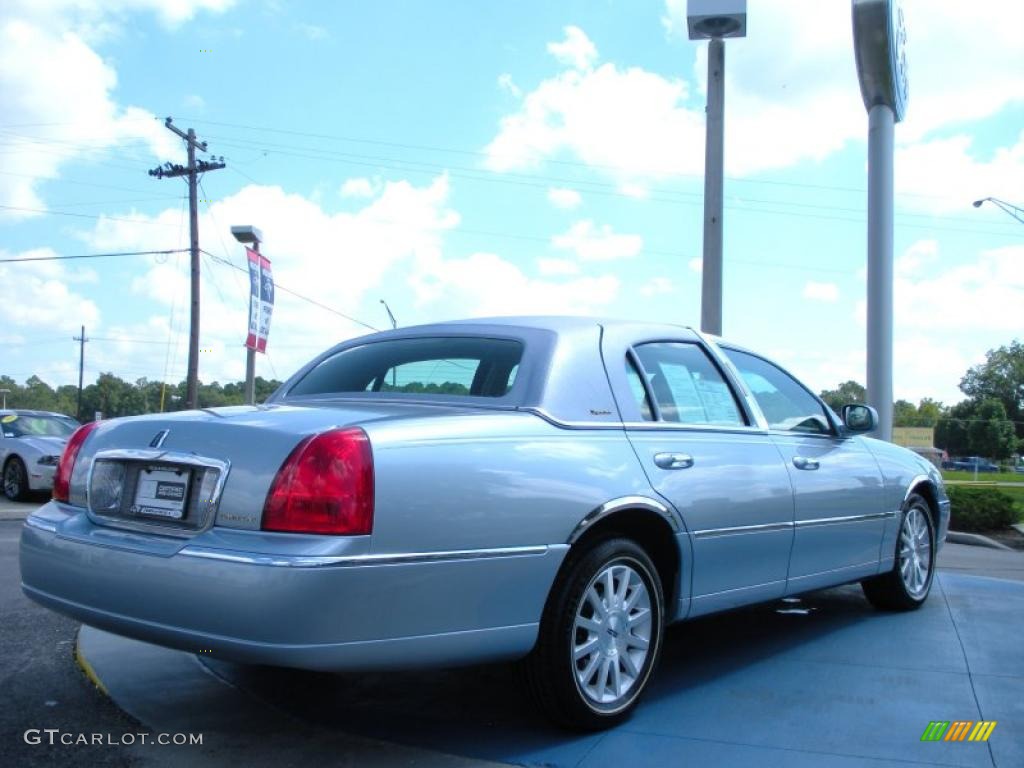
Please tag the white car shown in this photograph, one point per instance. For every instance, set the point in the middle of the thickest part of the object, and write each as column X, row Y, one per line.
column 30, row 446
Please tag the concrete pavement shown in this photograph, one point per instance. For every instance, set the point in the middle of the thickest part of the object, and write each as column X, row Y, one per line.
column 824, row 680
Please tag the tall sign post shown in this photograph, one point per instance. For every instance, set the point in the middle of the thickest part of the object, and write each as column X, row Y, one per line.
column 255, row 341
column 714, row 20
column 879, row 42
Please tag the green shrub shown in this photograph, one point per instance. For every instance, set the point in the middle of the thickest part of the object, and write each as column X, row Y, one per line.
column 980, row 509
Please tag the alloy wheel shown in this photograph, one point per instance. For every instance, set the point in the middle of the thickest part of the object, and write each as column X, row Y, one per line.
column 915, row 558
column 611, row 635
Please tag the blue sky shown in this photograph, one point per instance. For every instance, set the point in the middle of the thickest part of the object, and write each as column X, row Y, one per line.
column 466, row 159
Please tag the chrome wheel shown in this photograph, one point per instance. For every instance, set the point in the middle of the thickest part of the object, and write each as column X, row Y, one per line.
column 611, row 635
column 915, row 557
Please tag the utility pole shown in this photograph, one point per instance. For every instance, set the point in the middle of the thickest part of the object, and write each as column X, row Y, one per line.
column 81, row 367
column 192, row 171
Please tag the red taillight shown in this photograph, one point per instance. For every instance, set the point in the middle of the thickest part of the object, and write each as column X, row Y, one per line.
column 62, row 477
column 324, row 486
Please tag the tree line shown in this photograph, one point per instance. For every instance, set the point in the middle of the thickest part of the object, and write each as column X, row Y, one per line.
column 113, row 396
column 990, row 422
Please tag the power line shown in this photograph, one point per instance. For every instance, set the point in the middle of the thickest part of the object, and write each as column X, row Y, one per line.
column 92, row 256
column 296, row 294
column 85, row 215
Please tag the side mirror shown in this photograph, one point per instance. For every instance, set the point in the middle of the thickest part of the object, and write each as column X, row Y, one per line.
column 860, row 418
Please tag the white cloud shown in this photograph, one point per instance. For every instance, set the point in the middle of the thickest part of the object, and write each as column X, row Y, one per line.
column 566, row 199
column 593, row 243
column 576, row 50
column 791, row 100
column 634, row 190
column 944, row 175
column 53, row 82
column 557, row 267
column 486, row 284
column 359, row 187
column 506, row 83
column 194, row 101
column 657, row 286
column 332, row 258
column 983, row 295
column 696, row 264
column 827, row 292
column 629, row 119
column 312, row 32
column 40, row 298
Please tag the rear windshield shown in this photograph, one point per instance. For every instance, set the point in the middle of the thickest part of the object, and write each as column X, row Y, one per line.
column 462, row 366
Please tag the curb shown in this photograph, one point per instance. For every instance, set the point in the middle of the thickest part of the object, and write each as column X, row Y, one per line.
column 975, row 539
column 86, row 667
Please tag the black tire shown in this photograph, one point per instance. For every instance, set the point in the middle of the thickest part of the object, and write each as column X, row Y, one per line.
column 15, row 479
column 896, row 590
column 552, row 670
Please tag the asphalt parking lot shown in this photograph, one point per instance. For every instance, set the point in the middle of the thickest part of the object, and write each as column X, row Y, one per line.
column 821, row 681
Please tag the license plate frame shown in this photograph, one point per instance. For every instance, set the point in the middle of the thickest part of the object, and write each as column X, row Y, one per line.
column 162, row 492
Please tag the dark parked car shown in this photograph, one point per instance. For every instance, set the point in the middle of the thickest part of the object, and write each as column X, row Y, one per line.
column 972, row 464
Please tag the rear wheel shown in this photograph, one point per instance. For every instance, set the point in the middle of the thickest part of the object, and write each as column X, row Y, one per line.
column 15, row 479
column 907, row 585
column 600, row 636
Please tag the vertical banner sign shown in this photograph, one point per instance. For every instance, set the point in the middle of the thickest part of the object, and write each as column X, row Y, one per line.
column 254, row 297
column 266, row 303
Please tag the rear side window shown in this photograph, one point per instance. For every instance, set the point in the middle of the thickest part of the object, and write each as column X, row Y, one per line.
column 461, row 366
column 686, row 385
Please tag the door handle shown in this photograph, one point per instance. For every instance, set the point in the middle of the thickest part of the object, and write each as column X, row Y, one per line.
column 801, row 463
column 673, row 460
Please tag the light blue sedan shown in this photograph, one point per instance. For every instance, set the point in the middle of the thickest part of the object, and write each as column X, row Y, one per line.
column 553, row 489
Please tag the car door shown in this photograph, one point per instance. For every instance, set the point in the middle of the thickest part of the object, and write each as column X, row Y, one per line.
column 703, row 453
column 837, row 485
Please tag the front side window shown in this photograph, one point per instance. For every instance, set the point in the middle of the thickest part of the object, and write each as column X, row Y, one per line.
column 462, row 366
column 686, row 385
column 786, row 404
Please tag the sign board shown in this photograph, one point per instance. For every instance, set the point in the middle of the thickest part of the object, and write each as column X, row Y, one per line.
column 879, row 43
column 261, row 300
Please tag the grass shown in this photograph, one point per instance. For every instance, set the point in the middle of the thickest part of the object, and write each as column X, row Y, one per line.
column 987, row 477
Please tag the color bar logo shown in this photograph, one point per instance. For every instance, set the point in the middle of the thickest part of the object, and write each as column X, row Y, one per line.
column 958, row 730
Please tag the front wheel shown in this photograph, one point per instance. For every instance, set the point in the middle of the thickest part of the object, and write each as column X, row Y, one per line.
column 600, row 636
column 907, row 585
column 15, row 480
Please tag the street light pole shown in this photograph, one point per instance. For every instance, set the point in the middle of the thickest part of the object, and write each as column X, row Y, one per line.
column 714, row 20
column 714, row 171
column 1010, row 208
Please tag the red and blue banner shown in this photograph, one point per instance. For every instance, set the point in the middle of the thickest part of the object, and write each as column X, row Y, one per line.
column 261, row 300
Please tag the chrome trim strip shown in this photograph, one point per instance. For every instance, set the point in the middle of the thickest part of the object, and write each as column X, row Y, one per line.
column 737, row 529
column 617, row 505
column 916, row 481
column 222, row 466
column 845, row 519
column 642, row 425
column 43, row 525
column 341, row 561
column 768, row 527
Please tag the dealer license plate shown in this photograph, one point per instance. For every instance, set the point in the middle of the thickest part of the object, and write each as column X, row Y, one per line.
column 161, row 492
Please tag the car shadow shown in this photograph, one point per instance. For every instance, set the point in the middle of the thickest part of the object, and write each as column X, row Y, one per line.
column 485, row 712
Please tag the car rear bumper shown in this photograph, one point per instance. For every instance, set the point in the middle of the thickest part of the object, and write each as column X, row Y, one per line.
column 290, row 607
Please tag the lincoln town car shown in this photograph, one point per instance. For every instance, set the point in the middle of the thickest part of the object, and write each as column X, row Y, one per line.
column 555, row 490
